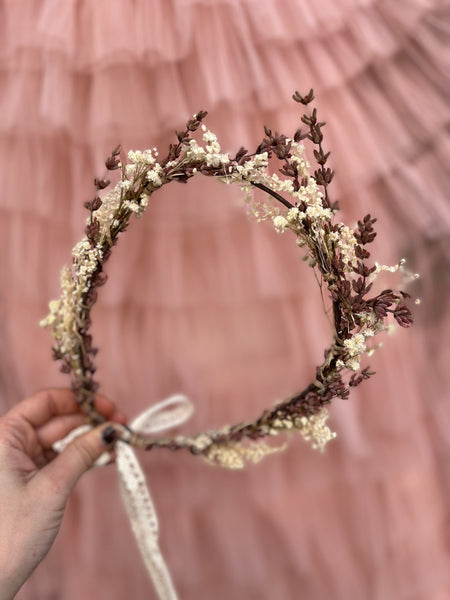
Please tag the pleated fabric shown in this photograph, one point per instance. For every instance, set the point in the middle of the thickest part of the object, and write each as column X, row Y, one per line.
column 203, row 301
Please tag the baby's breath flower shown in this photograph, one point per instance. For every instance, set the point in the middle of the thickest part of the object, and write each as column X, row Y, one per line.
column 130, row 171
column 233, row 455
column 318, row 212
column 353, row 363
column 126, row 185
column 144, row 200
column 292, row 214
column 390, row 329
column 132, row 206
column 314, row 429
column 355, row 345
column 154, row 175
column 280, row 223
column 54, row 306
column 388, row 268
column 194, row 151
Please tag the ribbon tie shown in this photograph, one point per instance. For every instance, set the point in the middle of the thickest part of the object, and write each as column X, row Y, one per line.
column 141, row 512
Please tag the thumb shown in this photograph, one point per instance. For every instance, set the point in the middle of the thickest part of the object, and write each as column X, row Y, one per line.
column 79, row 456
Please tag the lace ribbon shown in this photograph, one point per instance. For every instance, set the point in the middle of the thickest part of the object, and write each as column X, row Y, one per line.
column 138, row 503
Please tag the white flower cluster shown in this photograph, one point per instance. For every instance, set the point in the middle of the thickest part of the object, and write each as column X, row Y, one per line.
column 211, row 155
column 317, row 211
column 154, row 175
column 314, row 429
column 310, row 194
column 251, row 170
column 194, row 152
column 293, row 215
column 297, row 151
column 62, row 316
column 407, row 275
column 86, row 258
column 233, row 455
column 346, row 242
column 260, row 210
column 141, row 162
column 355, row 347
column 85, row 262
column 280, row 223
column 383, row 268
column 126, row 185
column 54, row 306
column 255, row 170
column 135, row 206
column 147, row 157
column 106, row 213
column 132, row 206
column 213, row 151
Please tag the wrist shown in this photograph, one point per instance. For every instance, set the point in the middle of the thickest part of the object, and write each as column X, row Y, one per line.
column 10, row 580
column 8, row 587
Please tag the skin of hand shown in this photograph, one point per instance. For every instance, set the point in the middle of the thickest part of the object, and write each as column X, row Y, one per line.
column 35, row 482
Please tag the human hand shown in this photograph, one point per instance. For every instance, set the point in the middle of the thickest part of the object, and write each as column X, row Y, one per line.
column 35, row 482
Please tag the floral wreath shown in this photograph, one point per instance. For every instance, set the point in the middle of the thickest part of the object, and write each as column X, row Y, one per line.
column 337, row 252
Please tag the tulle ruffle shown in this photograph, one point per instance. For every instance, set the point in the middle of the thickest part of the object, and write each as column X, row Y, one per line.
column 218, row 51
column 79, row 110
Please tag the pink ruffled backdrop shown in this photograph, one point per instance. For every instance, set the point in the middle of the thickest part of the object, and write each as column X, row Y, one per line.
column 203, row 301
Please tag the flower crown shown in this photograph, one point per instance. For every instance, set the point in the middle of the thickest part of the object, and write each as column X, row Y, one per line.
column 337, row 252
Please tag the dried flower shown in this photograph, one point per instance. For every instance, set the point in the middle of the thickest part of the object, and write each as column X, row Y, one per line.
column 403, row 315
column 297, row 201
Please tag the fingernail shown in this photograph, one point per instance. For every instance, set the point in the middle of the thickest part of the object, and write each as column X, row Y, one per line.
column 109, row 435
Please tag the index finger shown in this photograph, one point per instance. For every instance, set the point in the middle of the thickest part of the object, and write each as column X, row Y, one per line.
column 43, row 406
